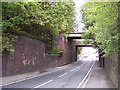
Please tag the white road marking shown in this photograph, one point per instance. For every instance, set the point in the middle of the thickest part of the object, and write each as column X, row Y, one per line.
column 72, row 70
column 43, row 83
column 31, row 77
column 85, row 76
column 27, row 78
column 79, row 66
column 86, row 81
column 63, row 74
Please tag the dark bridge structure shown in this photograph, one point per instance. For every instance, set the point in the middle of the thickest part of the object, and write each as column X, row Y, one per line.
column 73, row 36
column 78, row 35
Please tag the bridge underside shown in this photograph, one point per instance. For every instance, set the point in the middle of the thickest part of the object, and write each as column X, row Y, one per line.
column 74, row 37
column 83, row 45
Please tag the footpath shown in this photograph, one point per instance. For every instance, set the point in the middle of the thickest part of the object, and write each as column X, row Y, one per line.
column 96, row 79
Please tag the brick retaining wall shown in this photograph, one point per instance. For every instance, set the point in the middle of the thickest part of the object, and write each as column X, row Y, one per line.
column 30, row 56
column 111, row 67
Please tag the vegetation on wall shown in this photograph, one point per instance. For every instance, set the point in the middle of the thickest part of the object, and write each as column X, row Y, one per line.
column 39, row 20
column 56, row 51
column 79, row 50
column 101, row 20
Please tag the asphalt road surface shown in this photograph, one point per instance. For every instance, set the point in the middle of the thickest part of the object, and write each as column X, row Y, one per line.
column 69, row 77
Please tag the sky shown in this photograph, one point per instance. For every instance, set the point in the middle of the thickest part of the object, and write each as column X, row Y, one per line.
column 80, row 2
column 87, row 51
column 79, row 25
column 90, row 52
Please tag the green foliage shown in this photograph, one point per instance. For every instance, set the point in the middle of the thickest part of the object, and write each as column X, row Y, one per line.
column 79, row 50
column 39, row 20
column 56, row 51
column 7, row 42
column 101, row 20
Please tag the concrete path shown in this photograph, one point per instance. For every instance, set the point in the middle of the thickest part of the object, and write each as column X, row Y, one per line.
column 98, row 79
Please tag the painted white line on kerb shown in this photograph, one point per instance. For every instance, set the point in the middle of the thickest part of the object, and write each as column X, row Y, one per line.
column 43, row 83
column 85, row 76
column 63, row 74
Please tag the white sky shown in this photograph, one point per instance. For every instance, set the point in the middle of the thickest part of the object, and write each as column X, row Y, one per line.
column 78, row 4
column 86, row 51
column 90, row 52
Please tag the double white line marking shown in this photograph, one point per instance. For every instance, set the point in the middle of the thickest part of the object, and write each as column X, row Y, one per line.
column 86, row 76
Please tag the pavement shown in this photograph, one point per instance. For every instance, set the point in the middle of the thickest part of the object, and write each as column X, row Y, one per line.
column 96, row 79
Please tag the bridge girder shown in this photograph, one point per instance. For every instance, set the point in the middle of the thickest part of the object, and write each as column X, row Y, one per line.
column 83, row 45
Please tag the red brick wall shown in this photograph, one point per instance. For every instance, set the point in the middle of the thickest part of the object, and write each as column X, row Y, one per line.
column 0, row 65
column 69, row 49
column 111, row 67
column 30, row 56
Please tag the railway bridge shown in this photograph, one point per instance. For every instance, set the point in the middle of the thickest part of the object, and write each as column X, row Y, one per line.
column 78, row 36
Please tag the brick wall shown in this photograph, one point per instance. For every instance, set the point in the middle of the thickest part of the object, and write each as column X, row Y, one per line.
column 30, row 56
column 69, row 47
column 0, row 65
column 29, row 53
column 111, row 67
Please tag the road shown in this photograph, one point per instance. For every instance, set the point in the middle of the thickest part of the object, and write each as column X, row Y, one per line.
column 68, row 77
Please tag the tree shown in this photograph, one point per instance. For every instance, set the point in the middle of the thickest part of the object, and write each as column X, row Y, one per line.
column 101, row 20
column 39, row 20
